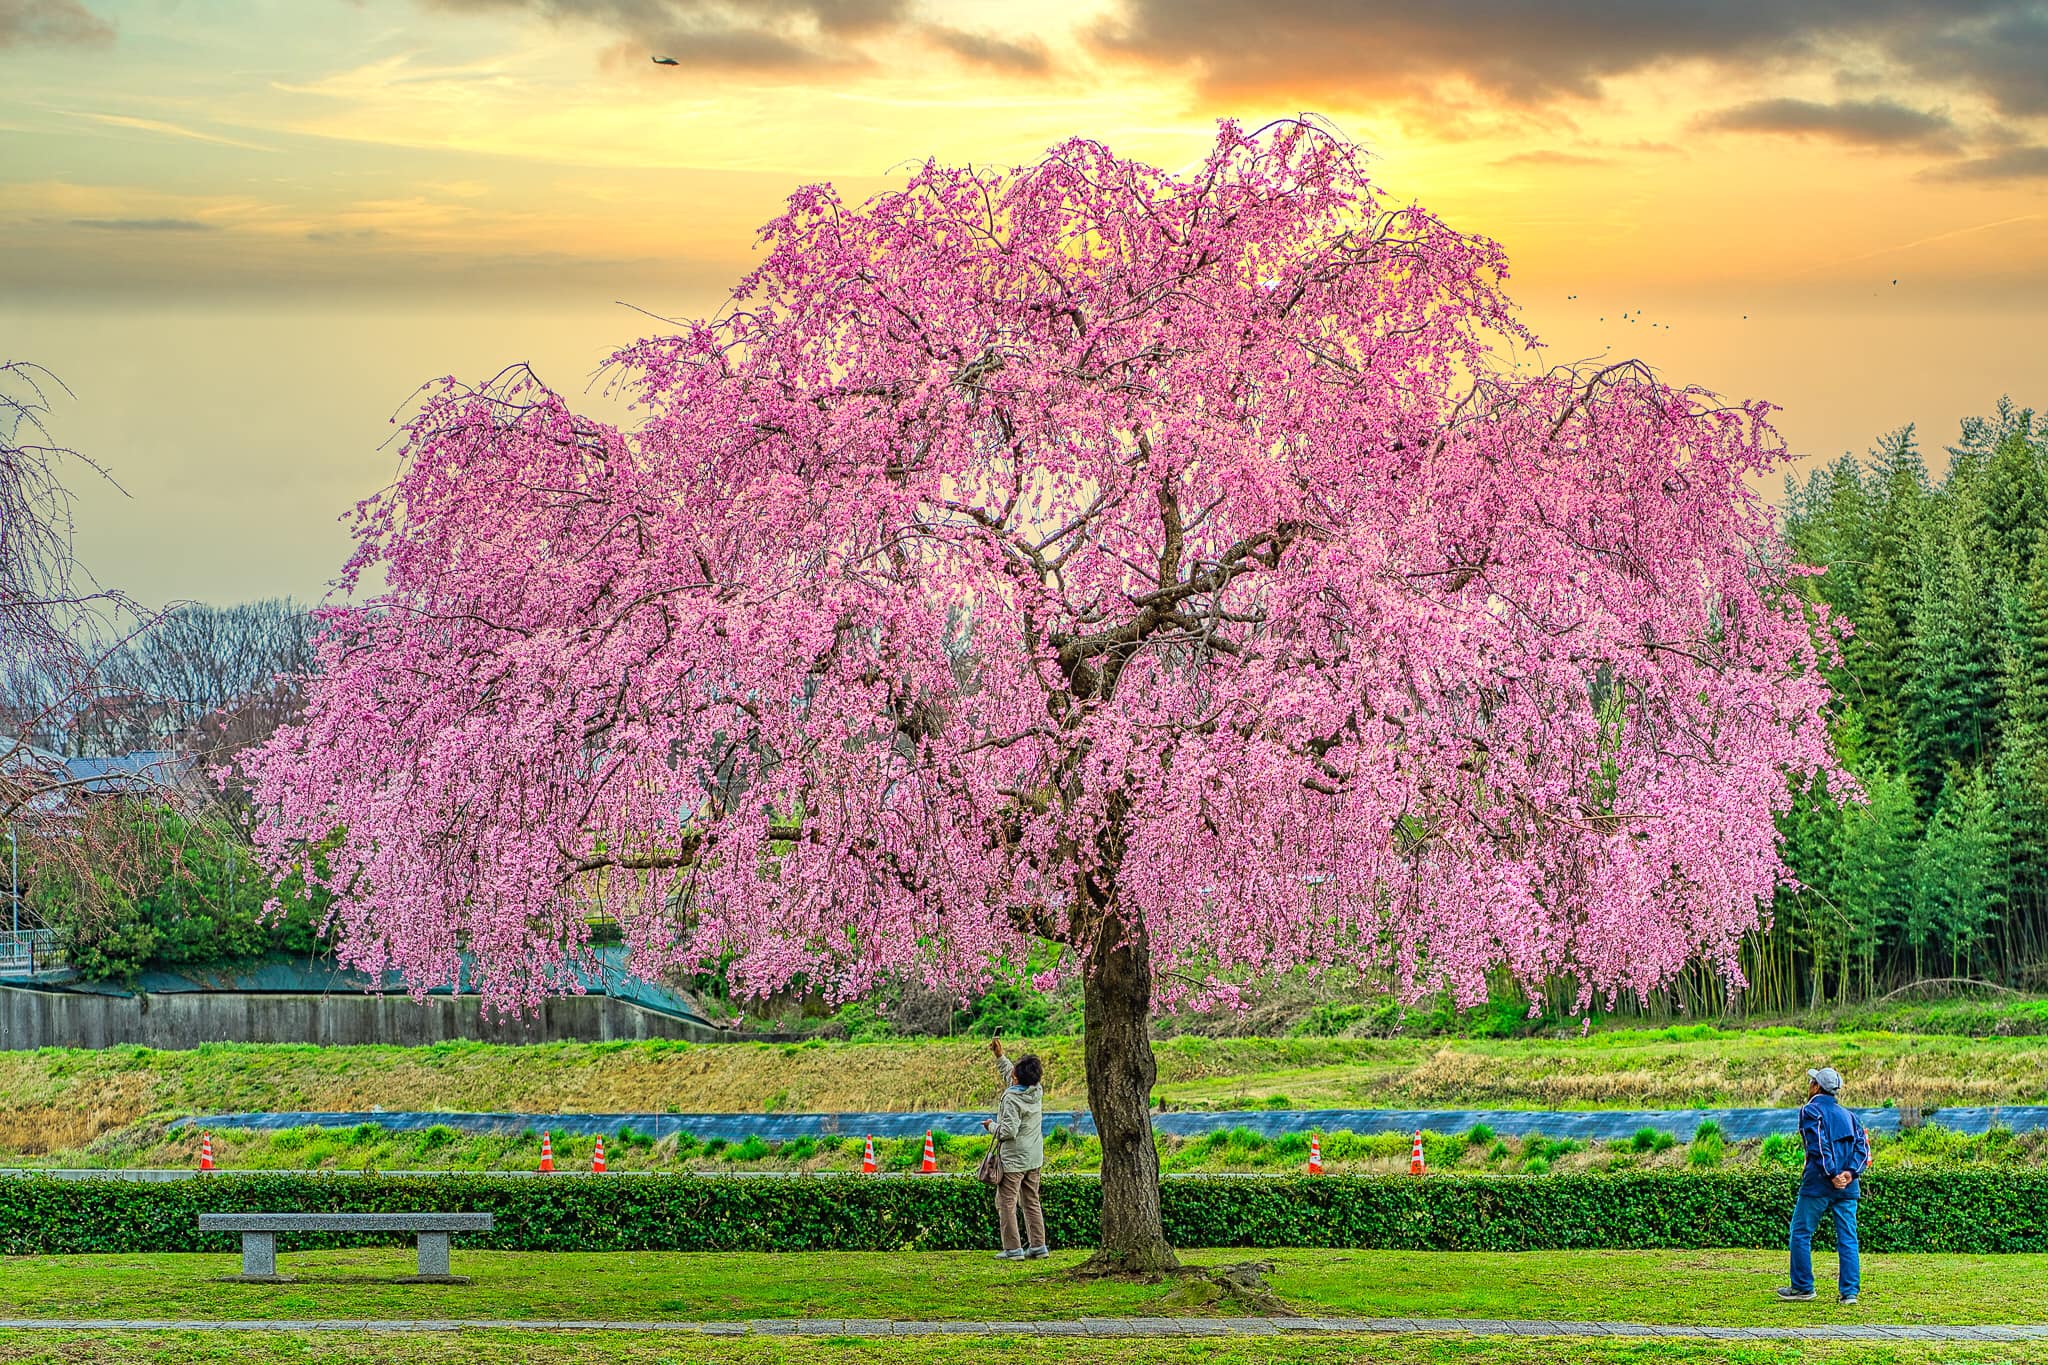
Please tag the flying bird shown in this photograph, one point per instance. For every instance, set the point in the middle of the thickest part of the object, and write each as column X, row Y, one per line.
column 666, row 61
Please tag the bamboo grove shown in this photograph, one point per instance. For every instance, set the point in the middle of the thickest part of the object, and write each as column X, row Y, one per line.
column 1941, row 716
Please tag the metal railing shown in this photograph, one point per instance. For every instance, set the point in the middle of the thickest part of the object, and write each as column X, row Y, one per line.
column 25, row 952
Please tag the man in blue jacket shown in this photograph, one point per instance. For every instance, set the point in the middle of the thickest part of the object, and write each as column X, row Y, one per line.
column 1837, row 1154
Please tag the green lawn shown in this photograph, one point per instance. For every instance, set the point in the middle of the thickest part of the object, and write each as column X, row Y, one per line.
column 571, row 1348
column 1707, row 1288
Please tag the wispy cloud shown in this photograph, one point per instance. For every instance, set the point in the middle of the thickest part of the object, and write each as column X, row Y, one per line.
column 1547, row 156
column 143, row 224
column 150, row 125
column 1952, row 233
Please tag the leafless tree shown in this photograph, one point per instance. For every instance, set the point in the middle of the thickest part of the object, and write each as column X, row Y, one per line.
column 58, row 628
column 209, row 682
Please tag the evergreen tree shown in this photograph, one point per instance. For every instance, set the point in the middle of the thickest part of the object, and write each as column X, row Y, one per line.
column 1939, row 865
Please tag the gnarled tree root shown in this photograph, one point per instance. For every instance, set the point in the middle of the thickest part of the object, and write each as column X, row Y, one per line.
column 1241, row 1286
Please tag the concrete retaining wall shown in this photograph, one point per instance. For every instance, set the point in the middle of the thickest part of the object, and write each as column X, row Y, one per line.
column 41, row 1018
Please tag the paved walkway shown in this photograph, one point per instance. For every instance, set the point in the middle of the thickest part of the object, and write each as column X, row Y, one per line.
column 1084, row 1327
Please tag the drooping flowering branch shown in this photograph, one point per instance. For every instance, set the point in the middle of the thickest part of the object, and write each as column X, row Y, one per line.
column 1071, row 551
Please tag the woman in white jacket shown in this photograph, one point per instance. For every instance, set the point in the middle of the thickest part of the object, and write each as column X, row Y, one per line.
column 1019, row 1131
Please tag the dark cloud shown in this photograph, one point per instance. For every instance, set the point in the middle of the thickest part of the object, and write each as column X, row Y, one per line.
column 724, row 35
column 31, row 23
column 1869, row 123
column 1025, row 58
column 142, row 224
column 2003, row 56
column 2015, row 163
column 1343, row 50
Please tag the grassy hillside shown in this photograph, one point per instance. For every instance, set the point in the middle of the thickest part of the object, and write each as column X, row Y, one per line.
column 369, row 1146
column 58, row 1099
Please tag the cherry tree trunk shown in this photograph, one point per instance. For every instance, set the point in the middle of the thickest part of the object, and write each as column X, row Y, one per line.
column 1117, row 1011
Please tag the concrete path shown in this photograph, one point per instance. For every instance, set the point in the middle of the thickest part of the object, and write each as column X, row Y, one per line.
column 1597, row 1125
column 1084, row 1327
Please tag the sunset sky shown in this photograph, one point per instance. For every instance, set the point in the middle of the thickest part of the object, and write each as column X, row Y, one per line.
column 242, row 231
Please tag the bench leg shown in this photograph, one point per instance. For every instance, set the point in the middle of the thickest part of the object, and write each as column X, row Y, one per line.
column 259, row 1253
column 433, row 1253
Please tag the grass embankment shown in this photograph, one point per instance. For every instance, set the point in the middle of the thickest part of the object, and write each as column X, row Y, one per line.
column 1695, row 1288
column 653, row 1348
column 58, row 1099
column 368, row 1146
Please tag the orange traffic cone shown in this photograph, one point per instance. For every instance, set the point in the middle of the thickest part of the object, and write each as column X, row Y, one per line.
column 597, row 1161
column 867, row 1159
column 1315, row 1155
column 931, row 1158
column 547, row 1153
column 206, row 1151
column 1415, row 1164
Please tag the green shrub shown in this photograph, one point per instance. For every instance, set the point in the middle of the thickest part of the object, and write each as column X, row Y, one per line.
column 1782, row 1149
column 1478, row 1135
column 1708, row 1129
column 196, row 899
column 1645, row 1139
column 753, row 1149
column 1540, row 1148
column 1969, row 1211
column 1328, row 1021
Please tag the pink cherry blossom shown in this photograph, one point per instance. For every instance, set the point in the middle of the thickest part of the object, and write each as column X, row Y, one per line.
column 1175, row 565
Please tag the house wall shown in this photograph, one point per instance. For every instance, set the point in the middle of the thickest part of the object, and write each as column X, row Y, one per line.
column 53, row 1018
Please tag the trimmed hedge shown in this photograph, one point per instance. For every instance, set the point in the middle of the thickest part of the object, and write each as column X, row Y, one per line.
column 1966, row 1211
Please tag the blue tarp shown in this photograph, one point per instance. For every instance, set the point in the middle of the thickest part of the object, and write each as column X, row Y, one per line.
column 1589, row 1125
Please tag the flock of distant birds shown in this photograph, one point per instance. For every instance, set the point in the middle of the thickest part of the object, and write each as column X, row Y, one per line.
column 1636, row 317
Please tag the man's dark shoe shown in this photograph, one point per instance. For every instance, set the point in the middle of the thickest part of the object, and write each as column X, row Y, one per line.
column 1791, row 1295
column 1849, row 1299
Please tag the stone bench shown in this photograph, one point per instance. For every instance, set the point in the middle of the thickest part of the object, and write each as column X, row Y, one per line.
column 259, row 1237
